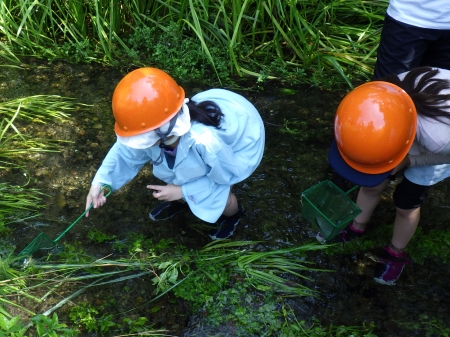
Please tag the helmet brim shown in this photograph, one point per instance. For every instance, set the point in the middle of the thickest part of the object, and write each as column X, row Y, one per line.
column 348, row 173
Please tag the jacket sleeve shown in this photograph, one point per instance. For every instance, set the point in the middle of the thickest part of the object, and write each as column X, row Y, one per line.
column 429, row 159
column 120, row 165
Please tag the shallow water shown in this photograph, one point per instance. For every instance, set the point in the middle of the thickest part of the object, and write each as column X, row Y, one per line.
column 293, row 162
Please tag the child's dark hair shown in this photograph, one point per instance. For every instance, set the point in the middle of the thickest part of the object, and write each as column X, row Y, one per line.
column 425, row 92
column 206, row 112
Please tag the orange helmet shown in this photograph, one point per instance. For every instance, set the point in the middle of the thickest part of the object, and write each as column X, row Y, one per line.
column 375, row 126
column 144, row 100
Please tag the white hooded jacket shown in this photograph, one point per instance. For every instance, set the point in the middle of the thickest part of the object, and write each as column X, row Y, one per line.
column 208, row 160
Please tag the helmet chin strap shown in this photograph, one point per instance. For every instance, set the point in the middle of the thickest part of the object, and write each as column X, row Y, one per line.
column 163, row 136
column 171, row 140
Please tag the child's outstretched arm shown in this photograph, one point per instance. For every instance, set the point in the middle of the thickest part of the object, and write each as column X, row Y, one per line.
column 166, row 193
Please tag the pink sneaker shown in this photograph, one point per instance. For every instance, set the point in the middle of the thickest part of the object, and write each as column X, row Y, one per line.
column 348, row 234
column 389, row 265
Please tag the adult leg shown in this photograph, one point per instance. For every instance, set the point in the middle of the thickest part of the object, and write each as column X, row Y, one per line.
column 401, row 48
column 438, row 53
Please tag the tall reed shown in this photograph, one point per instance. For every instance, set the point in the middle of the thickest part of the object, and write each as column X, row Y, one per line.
column 321, row 37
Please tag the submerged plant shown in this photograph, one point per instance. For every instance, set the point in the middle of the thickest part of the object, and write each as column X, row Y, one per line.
column 265, row 314
column 40, row 109
column 21, row 202
column 17, row 204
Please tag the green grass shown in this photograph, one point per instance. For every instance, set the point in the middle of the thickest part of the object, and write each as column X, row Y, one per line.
column 323, row 43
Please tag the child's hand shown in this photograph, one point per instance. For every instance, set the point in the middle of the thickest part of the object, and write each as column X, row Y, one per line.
column 167, row 193
column 95, row 197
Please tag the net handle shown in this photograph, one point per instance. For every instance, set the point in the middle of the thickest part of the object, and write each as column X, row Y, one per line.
column 352, row 189
column 87, row 210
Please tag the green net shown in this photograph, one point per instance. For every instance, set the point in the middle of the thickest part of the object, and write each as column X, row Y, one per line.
column 328, row 208
column 40, row 246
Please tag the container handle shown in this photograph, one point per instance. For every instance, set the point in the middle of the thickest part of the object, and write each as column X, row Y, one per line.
column 352, row 189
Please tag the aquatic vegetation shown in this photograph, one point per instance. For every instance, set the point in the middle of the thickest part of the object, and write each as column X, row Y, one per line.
column 265, row 314
column 318, row 42
column 17, row 203
column 39, row 108
column 193, row 275
column 21, row 202
column 15, row 143
column 226, row 283
column 98, row 320
column 99, row 237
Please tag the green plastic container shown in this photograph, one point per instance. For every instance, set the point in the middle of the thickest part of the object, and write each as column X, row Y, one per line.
column 329, row 208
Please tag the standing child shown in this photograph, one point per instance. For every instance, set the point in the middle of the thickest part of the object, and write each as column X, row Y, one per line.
column 382, row 128
column 200, row 147
column 415, row 34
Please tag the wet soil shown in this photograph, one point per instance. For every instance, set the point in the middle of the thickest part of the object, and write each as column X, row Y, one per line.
column 298, row 134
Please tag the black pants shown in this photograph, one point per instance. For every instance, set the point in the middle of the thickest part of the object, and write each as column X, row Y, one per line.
column 408, row 195
column 404, row 47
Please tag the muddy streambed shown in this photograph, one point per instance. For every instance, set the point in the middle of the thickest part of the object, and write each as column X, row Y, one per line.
column 298, row 133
